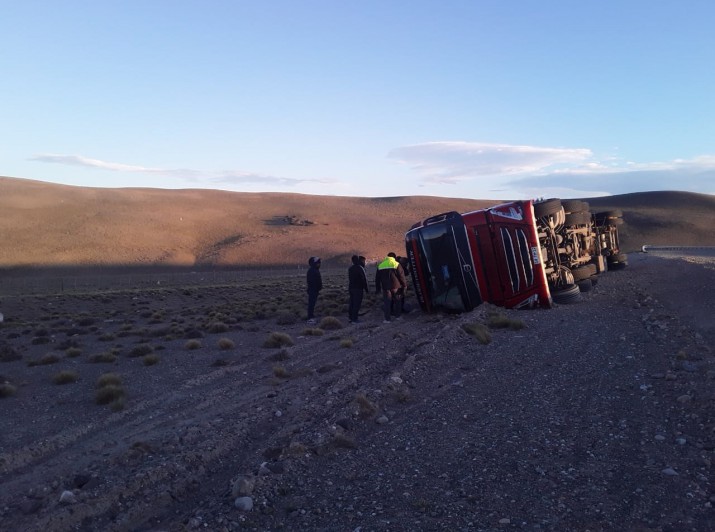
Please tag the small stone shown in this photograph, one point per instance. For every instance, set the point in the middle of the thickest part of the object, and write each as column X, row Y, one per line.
column 68, row 497
column 681, row 441
column 669, row 471
column 504, row 521
column 243, row 486
column 684, row 399
column 245, row 504
column 659, row 437
column 382, row 420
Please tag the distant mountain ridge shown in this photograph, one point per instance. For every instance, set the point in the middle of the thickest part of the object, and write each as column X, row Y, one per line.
column 45, row 225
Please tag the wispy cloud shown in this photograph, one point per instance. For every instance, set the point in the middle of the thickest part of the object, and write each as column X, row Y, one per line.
column 227, row 177
column 518, row 170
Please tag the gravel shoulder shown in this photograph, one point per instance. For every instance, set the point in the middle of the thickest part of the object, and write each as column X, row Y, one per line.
column 596, row 415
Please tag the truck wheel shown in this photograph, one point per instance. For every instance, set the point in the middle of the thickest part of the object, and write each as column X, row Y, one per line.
column 618, row 257
column 584, row 285
column 569, row 293
column 614, row 221
column 578, row 218
column 583, row 272
column 594, row 280
column 547, row 207
column 574, row 205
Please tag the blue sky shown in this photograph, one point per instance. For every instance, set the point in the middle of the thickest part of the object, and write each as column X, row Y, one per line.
column 494, row 99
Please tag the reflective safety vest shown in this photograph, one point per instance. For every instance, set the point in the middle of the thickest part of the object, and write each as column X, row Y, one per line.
column 390, row 263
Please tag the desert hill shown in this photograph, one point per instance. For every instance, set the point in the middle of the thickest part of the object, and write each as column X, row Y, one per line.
column 49, row 225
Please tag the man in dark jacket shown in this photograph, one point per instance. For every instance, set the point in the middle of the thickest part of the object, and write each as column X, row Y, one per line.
column 357, row 284
column 315, row 285
column 390, row 277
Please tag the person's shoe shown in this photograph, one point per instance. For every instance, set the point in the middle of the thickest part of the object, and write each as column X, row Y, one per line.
column 311, row 320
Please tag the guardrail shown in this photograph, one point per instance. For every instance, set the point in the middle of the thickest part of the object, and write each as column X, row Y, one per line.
column 706, row 251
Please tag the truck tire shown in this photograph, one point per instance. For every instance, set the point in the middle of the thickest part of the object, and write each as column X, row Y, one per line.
column 547, row 207
column 583, row 272
column 578, row 218
column 569, row 293
column 574, row 205
column 584, row 285
column 618, row 257
column 614, row 221
column 602, row 217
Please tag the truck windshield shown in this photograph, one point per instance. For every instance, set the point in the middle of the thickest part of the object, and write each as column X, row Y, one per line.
column 442, row 269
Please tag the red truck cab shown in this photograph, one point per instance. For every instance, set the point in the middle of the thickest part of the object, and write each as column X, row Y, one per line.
column 494, row 255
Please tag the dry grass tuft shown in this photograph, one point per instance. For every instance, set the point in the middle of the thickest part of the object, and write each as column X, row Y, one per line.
column 108, row 378
column 479, row 331
column 109, row 394
column 106, row 357
column 366, row 408
column 499, row 320
column 141, row 350
column 346, row 342
column 73, row 352
column 217, row 327
column 278, row 339
column 329, row 323
column 191, row 345
column 150, row 360
column 281, row 372
column 280, row 356
column 65, row 377
column 225, row 344
column 110, row 391
column 286, row 318
column 313, row 331
column 47, row 359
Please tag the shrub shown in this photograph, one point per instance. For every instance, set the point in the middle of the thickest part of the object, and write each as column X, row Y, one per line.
column 7, row 390
column 106, row 357
column 313, row 331
column 192, row 345
column 106, row 337
column 65, row 377
column 278, row 339
column 150, row 360
column 479, row 331
column 141, row 350
column 225, row 344
column 330, row 323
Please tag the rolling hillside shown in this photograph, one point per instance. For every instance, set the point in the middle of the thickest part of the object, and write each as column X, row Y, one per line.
column 46, row 225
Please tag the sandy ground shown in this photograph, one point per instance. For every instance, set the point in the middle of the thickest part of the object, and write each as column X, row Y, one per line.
column 594, row 416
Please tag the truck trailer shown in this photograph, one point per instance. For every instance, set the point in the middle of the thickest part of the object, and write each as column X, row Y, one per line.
column 521, row 254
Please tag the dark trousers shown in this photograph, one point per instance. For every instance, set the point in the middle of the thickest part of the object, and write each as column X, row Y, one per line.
column 312, row 300
column 387, row 298
column 356, row 295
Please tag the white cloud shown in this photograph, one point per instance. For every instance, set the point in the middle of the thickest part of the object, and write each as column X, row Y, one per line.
column 529, row 171
column 191, row 176
column 451, row 162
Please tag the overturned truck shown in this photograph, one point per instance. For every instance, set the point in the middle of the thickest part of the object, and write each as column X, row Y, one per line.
column 521, row 254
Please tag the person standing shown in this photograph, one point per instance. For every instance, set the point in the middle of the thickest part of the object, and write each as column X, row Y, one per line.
column 315, row 285
column 389, row 278
column 357, row 284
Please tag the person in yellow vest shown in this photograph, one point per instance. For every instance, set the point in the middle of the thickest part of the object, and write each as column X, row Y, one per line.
column 389, row 279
